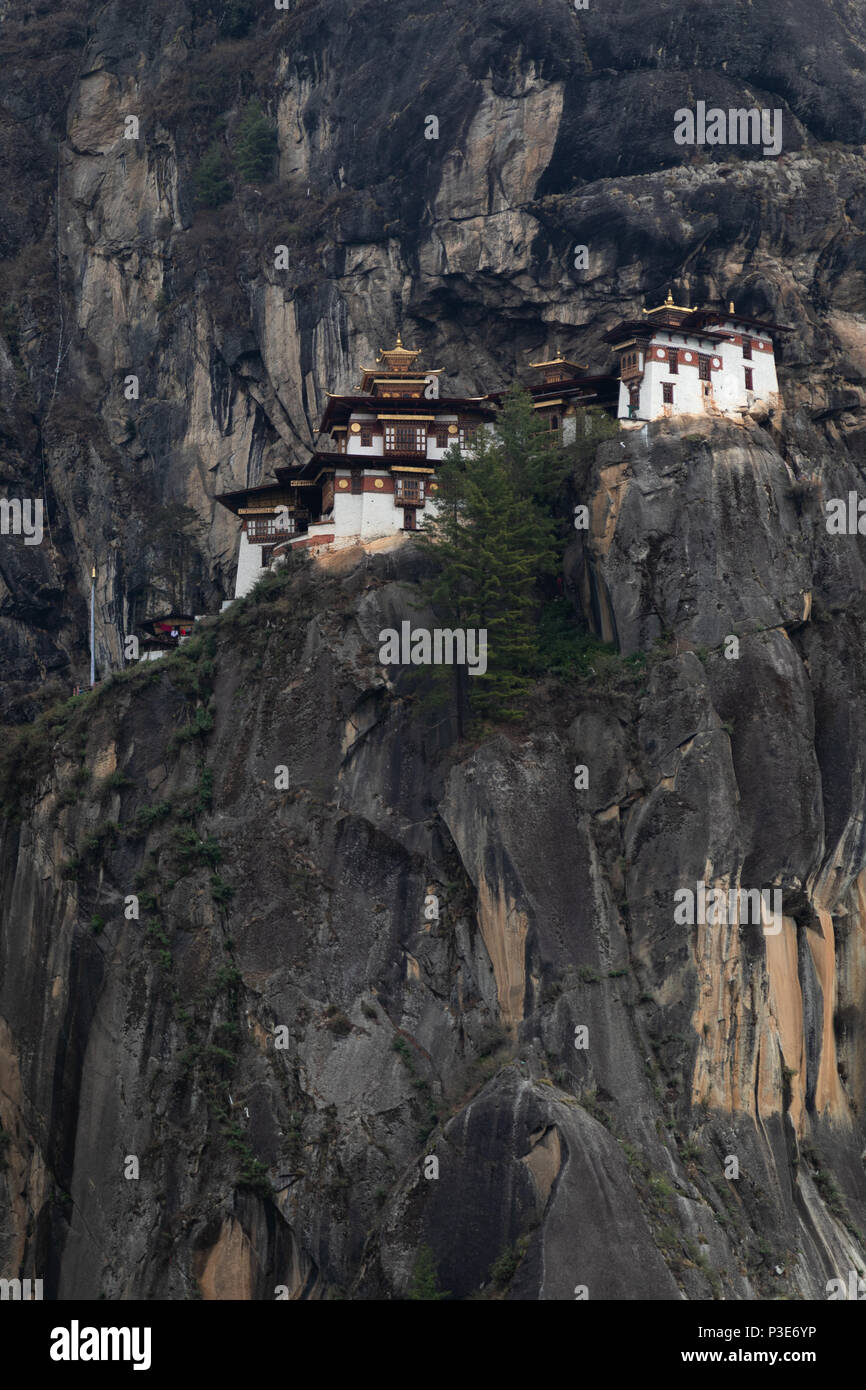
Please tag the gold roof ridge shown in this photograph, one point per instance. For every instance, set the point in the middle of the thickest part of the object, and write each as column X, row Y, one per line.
column 555, row 362
column 669, row 304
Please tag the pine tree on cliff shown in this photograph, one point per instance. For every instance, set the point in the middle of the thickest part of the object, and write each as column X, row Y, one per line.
column 255, row 145
column 212, row 186
column 425, row 1280
column 495, row 536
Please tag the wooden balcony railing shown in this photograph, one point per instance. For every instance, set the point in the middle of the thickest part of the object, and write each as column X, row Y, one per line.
column 266, row 530
column 407, row 441
column 409, row 492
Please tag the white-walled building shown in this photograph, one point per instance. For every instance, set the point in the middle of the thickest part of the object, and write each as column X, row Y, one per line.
column 679, row 361
column 378, row 474
column 374, row 473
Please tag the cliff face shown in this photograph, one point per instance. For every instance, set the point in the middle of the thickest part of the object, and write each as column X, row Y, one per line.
column 310, row 908
column 389, row 959
column 555, row 129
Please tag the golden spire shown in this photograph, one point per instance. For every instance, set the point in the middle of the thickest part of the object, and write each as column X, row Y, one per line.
column 730, row 306
column 398, row 358
column 667, row 306
column 559, row 361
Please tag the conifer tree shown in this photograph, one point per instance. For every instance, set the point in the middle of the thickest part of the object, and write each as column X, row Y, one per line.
column 494, row 538
column 425, row 1280
column 212, row 187
column 235, row 18
column 255, row 145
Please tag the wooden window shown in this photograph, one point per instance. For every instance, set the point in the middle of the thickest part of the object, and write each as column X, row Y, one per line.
column 405, row 439
column 673, row 361
column 747, row 349
column 409, row 492
column 667, row 392
column 366, row 436
column 704, row 367
column 466, row 436
column 750, row 378
column 261, row 529
column 357, row 481
column 442, row 439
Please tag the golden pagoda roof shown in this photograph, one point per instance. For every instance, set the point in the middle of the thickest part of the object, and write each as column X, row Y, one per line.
column 560, row 361
column 667, row 306
column 398, row 358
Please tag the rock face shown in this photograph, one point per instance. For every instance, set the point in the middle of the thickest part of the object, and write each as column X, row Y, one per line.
column 392, row 959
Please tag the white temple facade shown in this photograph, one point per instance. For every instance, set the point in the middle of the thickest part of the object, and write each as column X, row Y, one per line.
column 680, row 361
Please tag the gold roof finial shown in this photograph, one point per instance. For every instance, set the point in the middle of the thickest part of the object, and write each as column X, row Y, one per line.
column 398, row 357
column 730, row 306
column 668, row 304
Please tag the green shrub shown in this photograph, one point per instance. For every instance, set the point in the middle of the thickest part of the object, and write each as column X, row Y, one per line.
column 95, row 842
column 212, row 186
column 205, row 791
column 661, row 1188
column 255, row 145
column 254, row 1176
column 403, row 1050
column 200, row 725
column 190, row 846
column 504, row 1268
column 222, row 892
column 425, row 1278
column 210, row 851
column 235, row 18
column 339, row 1024
column 228, row 978
column 146, row 816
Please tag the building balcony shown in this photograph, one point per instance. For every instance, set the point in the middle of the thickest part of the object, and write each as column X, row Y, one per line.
column 404, row 441
column 409, row 492
column 405, row 451
column 266, row 530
